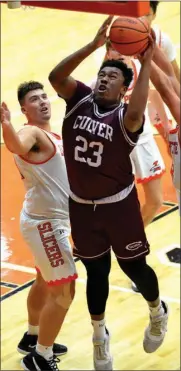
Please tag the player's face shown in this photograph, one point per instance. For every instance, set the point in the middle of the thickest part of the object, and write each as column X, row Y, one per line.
column 36, row 106
column 109, row 87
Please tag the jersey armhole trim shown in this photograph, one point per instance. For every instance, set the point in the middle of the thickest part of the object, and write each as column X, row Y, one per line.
column 126, row 136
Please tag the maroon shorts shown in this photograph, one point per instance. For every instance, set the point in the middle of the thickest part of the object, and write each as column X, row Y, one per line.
column 97, row 228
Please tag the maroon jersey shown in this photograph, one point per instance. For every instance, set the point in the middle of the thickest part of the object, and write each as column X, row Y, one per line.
column 96, row 147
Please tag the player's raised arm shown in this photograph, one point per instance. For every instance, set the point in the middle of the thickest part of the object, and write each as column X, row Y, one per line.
column 60, row 77
column 163, row 63
column 19, row 143
column 133, row 119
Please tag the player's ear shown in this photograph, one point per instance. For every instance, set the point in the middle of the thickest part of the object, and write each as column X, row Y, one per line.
column 123, row 90
column 23, row 110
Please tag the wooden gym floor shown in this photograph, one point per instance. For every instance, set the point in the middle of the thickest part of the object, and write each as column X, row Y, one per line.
column 33, row 41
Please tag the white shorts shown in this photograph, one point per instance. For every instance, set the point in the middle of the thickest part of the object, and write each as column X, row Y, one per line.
column 147, row 161
column 49, row 243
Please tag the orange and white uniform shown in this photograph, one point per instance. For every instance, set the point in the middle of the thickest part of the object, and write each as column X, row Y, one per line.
column 44, row 219
column 174, row 145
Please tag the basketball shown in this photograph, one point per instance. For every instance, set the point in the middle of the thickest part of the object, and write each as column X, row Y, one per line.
column 129, row 36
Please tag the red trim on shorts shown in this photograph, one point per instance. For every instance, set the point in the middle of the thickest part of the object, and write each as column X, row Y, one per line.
column 59, row 282
column 151, row 177
column 62, row 281
column 173, row 131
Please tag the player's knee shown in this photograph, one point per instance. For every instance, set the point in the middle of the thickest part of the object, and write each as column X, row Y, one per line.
column 154, row 200
column 63, row 295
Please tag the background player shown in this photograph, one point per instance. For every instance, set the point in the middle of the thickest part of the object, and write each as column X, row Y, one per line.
column 164, row 79
column 99, row 133
column 44, row 223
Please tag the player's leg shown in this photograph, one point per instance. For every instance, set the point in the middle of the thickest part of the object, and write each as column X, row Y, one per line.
column 131, row 247
column 146, row 280
column 52, row 251
column 93, row 248
column 97, row 292
column 51, row 320
column 149, row 168
column 36, row 300
column 153, row 199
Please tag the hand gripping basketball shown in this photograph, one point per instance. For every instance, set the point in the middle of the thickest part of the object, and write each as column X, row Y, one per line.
column 147, row 55
column 101, row 36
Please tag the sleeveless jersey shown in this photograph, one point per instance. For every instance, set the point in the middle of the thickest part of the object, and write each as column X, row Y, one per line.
column 175, row 152
column 96, row 147
column 46, row 184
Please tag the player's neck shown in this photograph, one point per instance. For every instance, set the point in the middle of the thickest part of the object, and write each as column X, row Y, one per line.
column 42, row 125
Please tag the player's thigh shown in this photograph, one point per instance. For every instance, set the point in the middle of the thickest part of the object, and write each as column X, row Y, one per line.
column 125, row 228
column 89, row 239
column 51, row 248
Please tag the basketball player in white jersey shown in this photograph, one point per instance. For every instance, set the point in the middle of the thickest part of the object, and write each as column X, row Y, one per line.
column 44, row 223
column 164, row 80
column 155, row 106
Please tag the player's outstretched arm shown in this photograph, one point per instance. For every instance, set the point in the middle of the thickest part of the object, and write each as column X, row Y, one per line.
column 19, row 143
column 133, row 119
column 164, row 86
column 163, row 63
column 60, row 77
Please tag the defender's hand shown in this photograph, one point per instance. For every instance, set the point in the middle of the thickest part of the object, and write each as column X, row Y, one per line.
column 101, row 37
column 5, row 116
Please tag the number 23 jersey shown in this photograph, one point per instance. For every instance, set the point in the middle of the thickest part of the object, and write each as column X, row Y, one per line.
column 96, row 146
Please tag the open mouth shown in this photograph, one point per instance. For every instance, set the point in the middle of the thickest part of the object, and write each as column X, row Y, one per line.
column 44, row 109
column 102, row 88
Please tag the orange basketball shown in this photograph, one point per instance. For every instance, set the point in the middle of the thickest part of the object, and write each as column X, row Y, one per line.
column 129, row 36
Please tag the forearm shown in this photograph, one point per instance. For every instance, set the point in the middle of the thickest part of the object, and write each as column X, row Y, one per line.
column 69, row 64
column 160, row 80
column 162, row 62
column 139, row 96
column 15, row 143
column 157, row 102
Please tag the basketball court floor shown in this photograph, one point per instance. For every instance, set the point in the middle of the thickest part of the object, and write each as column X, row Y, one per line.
column 34, row 40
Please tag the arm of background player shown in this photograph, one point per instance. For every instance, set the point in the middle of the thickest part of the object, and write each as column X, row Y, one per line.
column 60, row 77
column 19, row 143
column 133, row 119
column 162, row 61
column 157, row 102
column 170, row 52
column 164, row 86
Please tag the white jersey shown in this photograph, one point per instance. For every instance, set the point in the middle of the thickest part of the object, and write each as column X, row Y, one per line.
column 175, row 152
column 46, row 184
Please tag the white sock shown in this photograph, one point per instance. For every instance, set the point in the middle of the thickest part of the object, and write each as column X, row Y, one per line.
column 99, row 329
column 33, row 330
column 157, row 311
column 46, row 352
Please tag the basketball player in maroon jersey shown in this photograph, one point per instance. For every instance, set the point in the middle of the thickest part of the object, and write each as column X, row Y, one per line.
column 99, row 134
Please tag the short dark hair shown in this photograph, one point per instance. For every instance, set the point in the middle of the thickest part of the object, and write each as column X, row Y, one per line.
column 154, row 5
column 126, row 71
column 25, row 87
